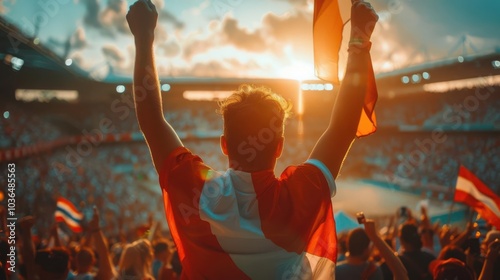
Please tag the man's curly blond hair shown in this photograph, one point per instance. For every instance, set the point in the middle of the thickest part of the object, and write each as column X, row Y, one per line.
column 251, row 113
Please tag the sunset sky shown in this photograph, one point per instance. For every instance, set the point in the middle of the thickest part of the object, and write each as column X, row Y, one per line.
column 250, row 38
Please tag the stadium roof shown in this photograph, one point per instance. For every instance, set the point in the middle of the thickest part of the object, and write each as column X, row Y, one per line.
column 243, row 39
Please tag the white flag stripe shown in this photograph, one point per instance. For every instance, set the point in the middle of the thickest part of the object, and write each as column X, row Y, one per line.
column 467, row 186
column 69, row 210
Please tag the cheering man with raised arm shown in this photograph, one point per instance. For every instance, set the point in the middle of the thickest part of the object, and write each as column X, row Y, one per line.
column 246, row 223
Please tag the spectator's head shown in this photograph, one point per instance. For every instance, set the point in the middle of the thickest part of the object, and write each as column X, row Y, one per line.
column 52, row 263
column 452, row 251
column 342, row 243
column 253, row 127
column 358, row 244
column 84, row 259
column 160, row 249
column 451, row 269
column 136, row 260
column 410, row 238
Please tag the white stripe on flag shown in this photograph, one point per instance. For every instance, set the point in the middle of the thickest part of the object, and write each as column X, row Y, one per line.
column 468, row 187
column 69, row 210
column 67, row 219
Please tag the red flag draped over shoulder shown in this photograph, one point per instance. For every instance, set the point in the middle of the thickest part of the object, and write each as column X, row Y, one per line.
column 472, row 191
column 327, row 39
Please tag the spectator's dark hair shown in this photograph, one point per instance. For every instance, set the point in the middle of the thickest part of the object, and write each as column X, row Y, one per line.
column 409, row 234
column 451, row 269
column 160, row 246
column 357, row 242
column 53, row 262
column 452, row 251
column 84, row 257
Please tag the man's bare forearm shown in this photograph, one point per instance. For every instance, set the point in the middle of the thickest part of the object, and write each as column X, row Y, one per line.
column 147, row 95
column 333, row 145
column 351, row 96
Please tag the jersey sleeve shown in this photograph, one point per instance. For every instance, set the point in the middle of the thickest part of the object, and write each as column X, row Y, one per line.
column 179, row 163
column 326, row 173
column 181, row 180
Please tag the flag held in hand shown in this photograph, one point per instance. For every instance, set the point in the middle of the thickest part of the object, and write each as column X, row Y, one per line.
column 472, row 191
column 66, row 212
column 327, row 39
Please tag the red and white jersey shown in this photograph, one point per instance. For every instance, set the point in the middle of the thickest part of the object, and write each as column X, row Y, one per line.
column 239, row 225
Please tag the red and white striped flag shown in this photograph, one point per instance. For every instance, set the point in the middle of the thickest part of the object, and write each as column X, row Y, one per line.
column 66, row 212
column 472, row 191
column 327, row 39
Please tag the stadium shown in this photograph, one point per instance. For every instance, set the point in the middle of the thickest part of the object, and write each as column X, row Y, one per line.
column 69, row 127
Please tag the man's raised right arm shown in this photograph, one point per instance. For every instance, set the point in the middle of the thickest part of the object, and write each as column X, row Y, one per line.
column 160, row 136
column 333, row 145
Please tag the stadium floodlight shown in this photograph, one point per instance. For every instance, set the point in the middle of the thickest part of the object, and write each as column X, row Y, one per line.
column 460, row 59
column 405, row 79
column 68, row 62
column 496, row 64
column 316, row 87
column 415, row 78
column 426, row 76
column 120, row 88
column 165, row 87
column 17, row 63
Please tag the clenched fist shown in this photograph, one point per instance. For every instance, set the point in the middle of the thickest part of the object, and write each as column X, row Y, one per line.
column 363, row 20
column 142, row 17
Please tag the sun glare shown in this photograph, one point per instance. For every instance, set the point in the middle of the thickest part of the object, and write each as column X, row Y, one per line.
column 298, row 71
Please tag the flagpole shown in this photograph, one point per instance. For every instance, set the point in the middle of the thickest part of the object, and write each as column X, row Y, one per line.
column 453, row 198
column 450, row 211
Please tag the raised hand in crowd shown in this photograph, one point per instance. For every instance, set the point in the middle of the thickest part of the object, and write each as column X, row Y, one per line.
column 106, row 270
column 391, row 259
column 489, row 262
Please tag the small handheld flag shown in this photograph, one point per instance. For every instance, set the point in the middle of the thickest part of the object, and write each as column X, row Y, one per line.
column 472, row 191
column 66, row 212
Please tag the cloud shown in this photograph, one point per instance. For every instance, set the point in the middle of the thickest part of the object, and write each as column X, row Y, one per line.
column 161, row 34
column 294, row 29
column 166, row 16
column 425, row 30
column 242, row 38
column 273, row 34
column 170, row 49
column 223, row 68
column 77, row 58
column 113, row 54
column 194, row 47
column 78, row 39
column 299, row 3
column 159, row 4
column 3, row 9
column 92, row 9
column 108, row 20
column 113, row 17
